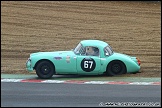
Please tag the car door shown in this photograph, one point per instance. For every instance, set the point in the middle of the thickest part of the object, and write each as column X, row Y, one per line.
column 88, row 64
column 65, row 63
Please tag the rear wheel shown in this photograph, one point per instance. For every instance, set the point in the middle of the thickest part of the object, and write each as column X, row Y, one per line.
column 116, row 68
column 45, row 69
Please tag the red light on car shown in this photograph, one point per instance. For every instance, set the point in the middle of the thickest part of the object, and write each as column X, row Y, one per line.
column 138, row 60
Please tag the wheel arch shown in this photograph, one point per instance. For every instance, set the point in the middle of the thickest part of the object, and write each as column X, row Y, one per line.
column 44, row 60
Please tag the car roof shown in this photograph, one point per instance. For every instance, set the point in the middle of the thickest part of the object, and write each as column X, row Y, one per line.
column 97, row 43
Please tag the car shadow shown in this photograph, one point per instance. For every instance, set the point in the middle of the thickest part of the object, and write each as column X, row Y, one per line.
column 75, row 77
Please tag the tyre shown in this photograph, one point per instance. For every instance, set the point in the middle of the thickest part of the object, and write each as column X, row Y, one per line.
column 45, row 69
column 116, row 68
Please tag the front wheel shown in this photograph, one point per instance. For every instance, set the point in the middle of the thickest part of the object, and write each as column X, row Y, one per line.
column 116, row 68
column 45, row 69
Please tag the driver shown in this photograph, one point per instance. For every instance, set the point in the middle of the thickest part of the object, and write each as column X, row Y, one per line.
column 89, row 51
column 93, row 51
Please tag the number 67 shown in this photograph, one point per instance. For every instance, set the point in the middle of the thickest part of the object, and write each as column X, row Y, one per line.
column 86, row 64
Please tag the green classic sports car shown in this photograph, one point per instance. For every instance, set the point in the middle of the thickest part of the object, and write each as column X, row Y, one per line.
column 90, row 57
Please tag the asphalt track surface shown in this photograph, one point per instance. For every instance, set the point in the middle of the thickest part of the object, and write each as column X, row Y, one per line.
column 18, row 94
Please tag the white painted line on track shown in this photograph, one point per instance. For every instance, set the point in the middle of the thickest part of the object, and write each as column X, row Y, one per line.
column 11, row 80
column 53, row 81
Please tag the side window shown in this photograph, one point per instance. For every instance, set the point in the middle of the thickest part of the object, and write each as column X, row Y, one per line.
column 82, row 51
column 108, row 51
column 91, row 51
